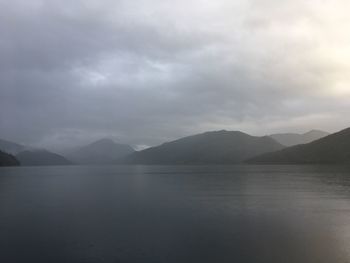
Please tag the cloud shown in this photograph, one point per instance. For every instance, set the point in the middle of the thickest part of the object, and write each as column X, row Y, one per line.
column 148, row 71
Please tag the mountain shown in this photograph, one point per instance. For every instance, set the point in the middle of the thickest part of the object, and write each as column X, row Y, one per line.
column 218, row 147
column 41, row 158
column 8, row 160
column 104, row 151
column 332, row 149
column 30, row 156
column 11, row 147
column 291, row 139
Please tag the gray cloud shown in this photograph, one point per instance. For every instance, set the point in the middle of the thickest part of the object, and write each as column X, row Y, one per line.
column 147, row 71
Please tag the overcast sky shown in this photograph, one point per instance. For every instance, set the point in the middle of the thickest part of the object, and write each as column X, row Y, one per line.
column 148, row 71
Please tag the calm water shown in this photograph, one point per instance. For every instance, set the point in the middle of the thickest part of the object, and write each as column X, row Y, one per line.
column 175, row 214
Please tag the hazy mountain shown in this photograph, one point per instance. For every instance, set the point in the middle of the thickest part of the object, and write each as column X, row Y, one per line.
column 219, row 147
column 41, row 158
column 104, row 151
column 291, row 139
column 8, row 160
column 11, row 147
column 31, row 156
column 332, row 149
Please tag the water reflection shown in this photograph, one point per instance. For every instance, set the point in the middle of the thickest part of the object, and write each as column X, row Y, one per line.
column 175, row 214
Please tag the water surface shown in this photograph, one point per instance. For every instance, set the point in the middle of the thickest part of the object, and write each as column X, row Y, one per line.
column 175, row 214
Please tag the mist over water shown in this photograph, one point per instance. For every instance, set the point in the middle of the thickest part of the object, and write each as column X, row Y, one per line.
column 175, row 214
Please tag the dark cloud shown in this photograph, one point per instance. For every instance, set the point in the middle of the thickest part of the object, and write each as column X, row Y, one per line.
column 148, row 71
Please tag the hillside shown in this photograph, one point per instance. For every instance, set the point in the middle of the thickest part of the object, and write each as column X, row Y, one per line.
column 291, row 139
column 332, row 149
column 11, row 147
column 8, row 160
column 41, row 158
column 104, row 151
column 219, row 147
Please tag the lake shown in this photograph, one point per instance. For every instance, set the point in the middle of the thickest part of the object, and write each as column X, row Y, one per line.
column 175, row 214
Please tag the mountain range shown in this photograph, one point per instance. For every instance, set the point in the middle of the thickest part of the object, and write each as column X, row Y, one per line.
column 104, row 151
column 218, row 147
column 332, row 149
column 291, row 139
column 28, row 156
column 11, row 147
column 41, row 158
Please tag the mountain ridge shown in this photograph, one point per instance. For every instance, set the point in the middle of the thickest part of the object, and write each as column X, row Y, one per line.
column 291, row 139
column 41, row 158
column 103, row 151
column 332, row 149
column 215, row 147
column 11, row 147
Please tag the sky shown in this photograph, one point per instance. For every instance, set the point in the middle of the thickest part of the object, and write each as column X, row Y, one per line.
column 147, row 71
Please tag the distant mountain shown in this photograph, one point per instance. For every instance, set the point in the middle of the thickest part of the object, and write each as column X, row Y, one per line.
column 332, row 149
column 219, row 147
column 11, row 147
column 41, row 158
column 291, row 139
column 104, row 151
column 8, row 160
